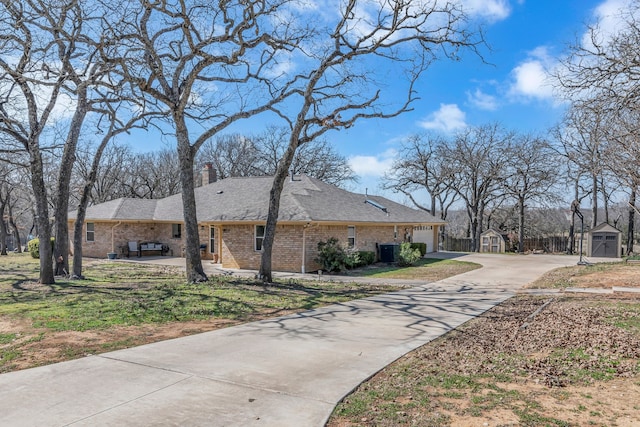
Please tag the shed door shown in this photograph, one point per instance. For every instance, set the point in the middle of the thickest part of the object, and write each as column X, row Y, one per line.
column 604, row 245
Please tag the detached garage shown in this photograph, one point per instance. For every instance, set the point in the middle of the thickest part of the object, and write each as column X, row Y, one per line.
column 604, row 241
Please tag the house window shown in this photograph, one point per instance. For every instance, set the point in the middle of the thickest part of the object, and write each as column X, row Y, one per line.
column 259, row 233
column 212, row 240
column 176, row 231
column 351, row 236
column 91, row 235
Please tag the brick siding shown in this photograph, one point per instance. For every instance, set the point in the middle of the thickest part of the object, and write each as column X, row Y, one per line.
column 237, row 244
column 124, row 233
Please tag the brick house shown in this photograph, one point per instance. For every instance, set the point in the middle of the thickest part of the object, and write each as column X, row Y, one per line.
column 232, row 214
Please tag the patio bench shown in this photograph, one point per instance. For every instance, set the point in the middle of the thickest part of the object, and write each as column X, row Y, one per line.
column 152, row 247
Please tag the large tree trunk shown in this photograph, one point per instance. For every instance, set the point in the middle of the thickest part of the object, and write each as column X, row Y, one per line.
column 3, row 228
column 632, row 219
column 473, row 222
column 433, row 205
column 193, row 262
column 521, row 225
column 14, row 227
column 265, row 274
column 41, row 215
column 61, row 215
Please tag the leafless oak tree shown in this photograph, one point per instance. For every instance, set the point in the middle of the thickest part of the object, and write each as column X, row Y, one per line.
column 476, row 164
column 46, row 60
column 258, row 154
column 421, row 165
column 203, row 66
column 340, row 88
column 602, row 73
column 531, row 173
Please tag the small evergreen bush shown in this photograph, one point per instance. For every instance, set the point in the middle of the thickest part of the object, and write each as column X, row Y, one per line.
column 408, row 255
column 34, row 247
column 422, row 247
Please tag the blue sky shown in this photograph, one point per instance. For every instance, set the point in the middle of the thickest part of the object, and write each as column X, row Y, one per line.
column 526, row 39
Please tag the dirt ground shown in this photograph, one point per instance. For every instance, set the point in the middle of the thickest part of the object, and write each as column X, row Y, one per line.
column 41, row 349
column 555, row 360
column 625, row 276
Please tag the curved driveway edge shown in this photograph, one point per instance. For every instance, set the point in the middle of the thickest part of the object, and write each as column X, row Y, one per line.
column 288, row 371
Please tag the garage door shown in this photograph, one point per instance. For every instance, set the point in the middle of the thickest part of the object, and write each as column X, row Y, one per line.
column 424, row 234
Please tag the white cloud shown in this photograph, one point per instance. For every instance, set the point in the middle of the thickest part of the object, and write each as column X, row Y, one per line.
column 482, row 100
column 531, row 77
column 609, row 18
column 448, row 118
column 373, row 166
column 493, row 10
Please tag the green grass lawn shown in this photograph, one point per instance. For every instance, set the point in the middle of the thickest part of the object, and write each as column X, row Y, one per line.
column 120, row 304
column 118, row 293
column 428, row 269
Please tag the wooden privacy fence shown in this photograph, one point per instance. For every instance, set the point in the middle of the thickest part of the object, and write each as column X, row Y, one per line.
column 549, row 244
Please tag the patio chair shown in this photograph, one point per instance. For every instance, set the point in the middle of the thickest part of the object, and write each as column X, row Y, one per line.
column 133, row 248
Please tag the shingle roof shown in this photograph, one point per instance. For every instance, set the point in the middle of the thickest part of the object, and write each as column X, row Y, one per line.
column 123, row 209
column 247, row 199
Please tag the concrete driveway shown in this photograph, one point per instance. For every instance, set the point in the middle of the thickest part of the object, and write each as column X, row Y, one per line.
column 289, row 371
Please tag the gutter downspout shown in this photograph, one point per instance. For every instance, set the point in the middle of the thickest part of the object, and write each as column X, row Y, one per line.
column 113, row 238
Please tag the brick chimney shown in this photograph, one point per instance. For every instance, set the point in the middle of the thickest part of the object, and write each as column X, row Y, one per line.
column 208, row 174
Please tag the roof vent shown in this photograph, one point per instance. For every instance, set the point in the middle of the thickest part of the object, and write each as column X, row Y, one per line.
column 376, row 204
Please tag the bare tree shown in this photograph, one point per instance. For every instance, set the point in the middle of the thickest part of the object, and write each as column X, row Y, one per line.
column 530, row 177
column 622, row 157
column 582, row 136
column 316, row 158
column 421, row 165
column 340, row 87
column 204, row 68
column 602, row 73
column 112, row 169
column 259, row 154
column 476, row 162
column 109, row 126
column 48, row 60
column 604, row 65
column 232, row 156
column 32, row 78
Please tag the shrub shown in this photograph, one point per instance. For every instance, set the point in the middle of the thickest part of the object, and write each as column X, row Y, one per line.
column 334, row 257
column 34, row 247
column 408, row 255
column 352, row 259
column 367, row 257
column 331, row 255
column 422, row 247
